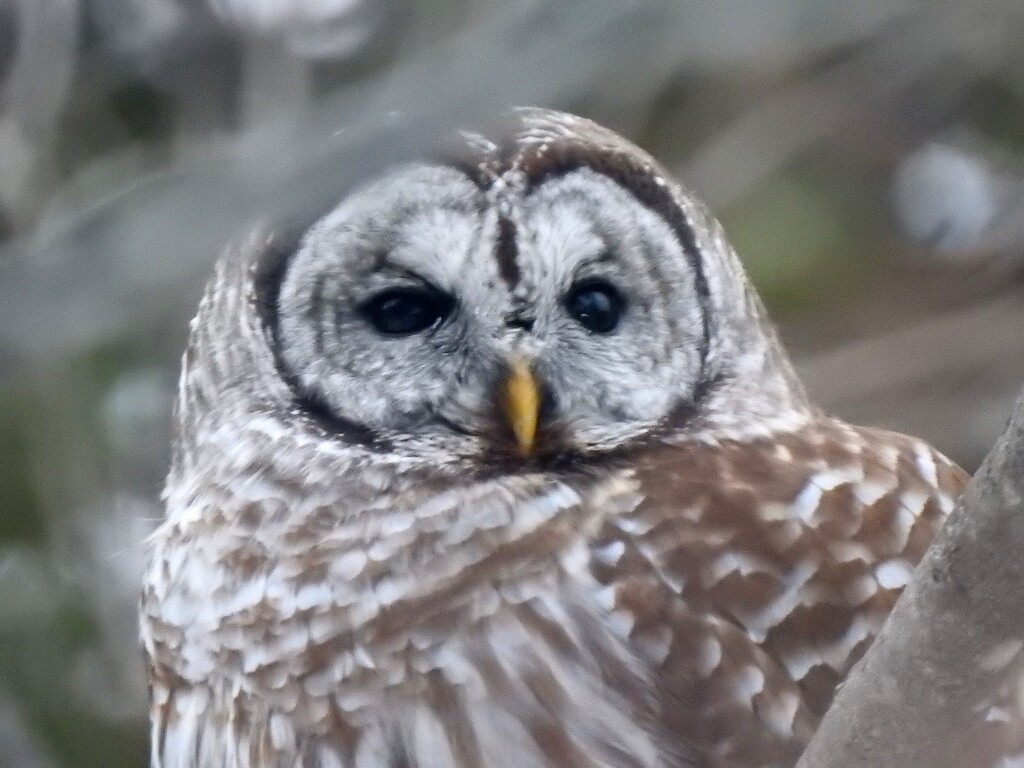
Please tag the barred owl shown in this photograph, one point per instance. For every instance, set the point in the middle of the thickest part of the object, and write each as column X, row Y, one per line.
column 500, row 463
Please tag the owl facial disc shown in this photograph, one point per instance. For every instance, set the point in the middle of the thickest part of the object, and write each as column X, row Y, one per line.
column 401, row 308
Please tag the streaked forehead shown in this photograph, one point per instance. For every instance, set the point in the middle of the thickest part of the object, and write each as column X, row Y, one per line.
column 426, row 219
column 438, row 221
column 405, row 191
column 584, row 218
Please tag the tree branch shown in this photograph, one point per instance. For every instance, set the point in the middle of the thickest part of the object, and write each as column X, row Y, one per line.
column 943, row 686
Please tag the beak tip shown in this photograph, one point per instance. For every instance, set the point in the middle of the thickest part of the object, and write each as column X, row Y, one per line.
column 525, row 441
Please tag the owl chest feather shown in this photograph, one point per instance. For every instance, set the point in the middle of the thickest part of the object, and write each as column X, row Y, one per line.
column 362, row 635
column 629, row 622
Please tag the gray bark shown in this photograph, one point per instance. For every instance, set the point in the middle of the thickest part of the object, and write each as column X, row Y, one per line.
column 943, row 686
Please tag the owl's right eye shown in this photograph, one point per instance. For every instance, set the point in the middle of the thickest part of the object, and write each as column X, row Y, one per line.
column 405, row 311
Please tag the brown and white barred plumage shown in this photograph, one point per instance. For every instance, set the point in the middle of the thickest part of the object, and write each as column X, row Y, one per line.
column 687, row 596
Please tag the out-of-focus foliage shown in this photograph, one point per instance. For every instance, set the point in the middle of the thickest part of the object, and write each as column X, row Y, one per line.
column 864, row 156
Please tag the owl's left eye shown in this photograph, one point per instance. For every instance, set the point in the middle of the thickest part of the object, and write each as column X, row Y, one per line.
column 405, row 311
column 596, row 305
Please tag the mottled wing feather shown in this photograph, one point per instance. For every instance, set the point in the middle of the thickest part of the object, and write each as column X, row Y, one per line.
column 756, row 574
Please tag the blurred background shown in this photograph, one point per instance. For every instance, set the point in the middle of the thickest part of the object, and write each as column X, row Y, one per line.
column 867, row 158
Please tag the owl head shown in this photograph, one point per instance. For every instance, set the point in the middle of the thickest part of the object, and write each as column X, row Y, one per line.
column 549, row 294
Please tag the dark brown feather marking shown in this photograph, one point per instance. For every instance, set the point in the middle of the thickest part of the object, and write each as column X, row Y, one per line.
column 506, row 252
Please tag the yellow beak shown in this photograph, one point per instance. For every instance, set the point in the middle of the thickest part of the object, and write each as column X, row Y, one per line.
column 520, row 402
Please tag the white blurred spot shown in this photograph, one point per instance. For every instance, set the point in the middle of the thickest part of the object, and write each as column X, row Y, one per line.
column 710, row 656
column 945, row 198
column 749, row 683
column 999, row 656
column 311, row 29
column 893, row 574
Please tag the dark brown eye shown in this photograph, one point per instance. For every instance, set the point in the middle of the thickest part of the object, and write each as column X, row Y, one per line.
column 596, row 305
column 405, row 311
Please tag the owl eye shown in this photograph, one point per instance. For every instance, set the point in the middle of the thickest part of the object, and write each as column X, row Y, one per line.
column 405, row 311
column 596, row 305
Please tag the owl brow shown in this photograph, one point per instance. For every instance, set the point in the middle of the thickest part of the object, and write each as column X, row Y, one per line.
column 384, row 266
column 382, row 261
column 582, row 269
